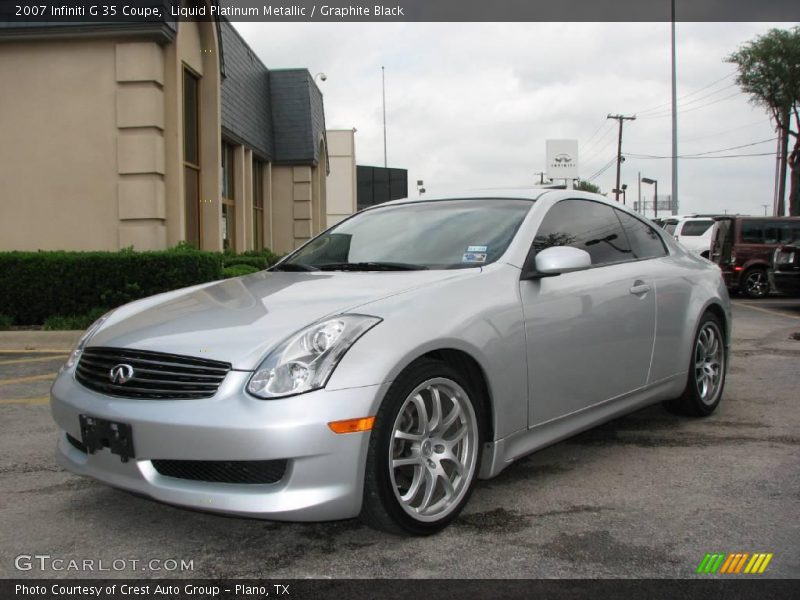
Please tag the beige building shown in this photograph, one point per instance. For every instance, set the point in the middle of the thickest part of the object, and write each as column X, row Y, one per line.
column 147, row 136
column 341, row 200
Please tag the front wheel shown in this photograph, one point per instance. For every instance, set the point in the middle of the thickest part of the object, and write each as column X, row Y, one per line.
column 755, row 283
column 707, row 369
column 424, row 451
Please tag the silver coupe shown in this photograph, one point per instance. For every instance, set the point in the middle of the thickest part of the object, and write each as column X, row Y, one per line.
column 382, row 367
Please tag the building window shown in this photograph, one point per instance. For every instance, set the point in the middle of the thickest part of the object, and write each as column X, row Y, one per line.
column 228, row 203
column 258, row 205
column 191, row 156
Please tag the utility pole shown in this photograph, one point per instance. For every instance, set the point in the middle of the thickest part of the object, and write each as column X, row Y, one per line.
column 674, row 121
column 620, row 119
column 383, row 87
column 639, row 193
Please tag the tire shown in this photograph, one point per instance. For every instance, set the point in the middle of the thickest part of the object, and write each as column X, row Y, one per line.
column 755, row 283
column 412, row 484
column 707, row 368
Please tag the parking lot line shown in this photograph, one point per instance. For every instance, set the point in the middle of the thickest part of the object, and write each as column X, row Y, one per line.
column 31, row 401
column 59, row 351
column 27, row 379
column 18, row 361
column 766, row 310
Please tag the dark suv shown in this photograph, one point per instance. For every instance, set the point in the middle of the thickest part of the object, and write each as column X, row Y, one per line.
column 786, row 269
column 743, row 248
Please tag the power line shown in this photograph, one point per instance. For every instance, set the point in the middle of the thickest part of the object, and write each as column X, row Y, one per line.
column 596, row 131
column 697, row 91
column 602, row 170
column 669, row 113
column 641, row 155
column 702, row 157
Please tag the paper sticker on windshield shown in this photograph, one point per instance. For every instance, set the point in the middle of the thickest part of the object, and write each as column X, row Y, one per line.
column 474, row 257
column 477, row 248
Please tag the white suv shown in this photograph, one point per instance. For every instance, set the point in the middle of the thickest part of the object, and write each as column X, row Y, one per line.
column 693, row 231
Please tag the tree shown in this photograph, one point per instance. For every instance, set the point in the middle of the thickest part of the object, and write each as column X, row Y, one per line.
column 769, row 70
column 586, row 186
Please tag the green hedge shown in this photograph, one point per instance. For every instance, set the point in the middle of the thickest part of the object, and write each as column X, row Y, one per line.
column 37, row 285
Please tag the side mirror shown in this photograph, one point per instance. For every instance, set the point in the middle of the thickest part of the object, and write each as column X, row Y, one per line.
column 562, row 259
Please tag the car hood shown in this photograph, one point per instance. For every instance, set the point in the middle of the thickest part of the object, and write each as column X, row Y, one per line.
column 239, row 320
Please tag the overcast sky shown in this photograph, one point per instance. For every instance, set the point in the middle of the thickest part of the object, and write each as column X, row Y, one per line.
column 470, row 105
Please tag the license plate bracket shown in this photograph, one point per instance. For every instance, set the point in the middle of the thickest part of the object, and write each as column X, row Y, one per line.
column 97, row 434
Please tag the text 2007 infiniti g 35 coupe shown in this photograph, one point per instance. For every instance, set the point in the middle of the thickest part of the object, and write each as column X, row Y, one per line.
column 387, row 363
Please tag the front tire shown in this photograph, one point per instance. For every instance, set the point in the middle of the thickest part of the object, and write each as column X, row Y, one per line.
column 707, row 369
column 424, row 451
column 755, row 283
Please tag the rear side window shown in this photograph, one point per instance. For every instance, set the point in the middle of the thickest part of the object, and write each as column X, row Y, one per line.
column 752, row 232
column 696, row 228
column 644, row 240
column 589, row 226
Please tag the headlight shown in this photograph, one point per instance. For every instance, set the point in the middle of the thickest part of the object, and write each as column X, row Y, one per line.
column 784, row 257
column 305, row 361
column 87, row 335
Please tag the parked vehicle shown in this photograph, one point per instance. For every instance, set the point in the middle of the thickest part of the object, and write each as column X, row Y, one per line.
column 387, row 363
column 786, row 269
column 692, row 231
column 743, row 248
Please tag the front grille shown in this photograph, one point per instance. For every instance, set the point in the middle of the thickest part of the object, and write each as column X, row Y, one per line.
column 156, row 375
column 223, row 471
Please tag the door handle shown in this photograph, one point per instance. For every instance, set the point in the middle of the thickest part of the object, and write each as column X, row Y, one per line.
column 639, row 288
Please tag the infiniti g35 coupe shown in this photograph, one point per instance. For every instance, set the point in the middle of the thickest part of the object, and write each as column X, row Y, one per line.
column 382, row 367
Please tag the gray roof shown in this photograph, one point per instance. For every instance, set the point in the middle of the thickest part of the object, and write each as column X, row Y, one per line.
column 298, row 118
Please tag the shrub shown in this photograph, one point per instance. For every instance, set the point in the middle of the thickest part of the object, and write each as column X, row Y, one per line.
column 38, row 285
column 5, row 322
column 238, row 270
column 58, row 323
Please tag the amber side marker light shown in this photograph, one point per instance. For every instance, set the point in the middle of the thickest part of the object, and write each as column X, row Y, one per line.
column 352, row 425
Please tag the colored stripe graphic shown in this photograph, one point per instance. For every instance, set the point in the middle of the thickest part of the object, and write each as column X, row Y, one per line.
column 734, row 563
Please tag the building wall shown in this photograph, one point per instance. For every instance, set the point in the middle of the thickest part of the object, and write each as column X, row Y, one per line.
column 58, row 146
column 91, row 148
column 341, row 196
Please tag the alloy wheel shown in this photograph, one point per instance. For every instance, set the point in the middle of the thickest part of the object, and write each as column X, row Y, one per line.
column 433, row 450
column 709, row 362
column 756, row 284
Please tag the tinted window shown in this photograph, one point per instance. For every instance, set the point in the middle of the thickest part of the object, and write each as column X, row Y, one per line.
column 752, row 232
column 696, row 228
column 644, row 240
column 590, row 226
column 790, row 232
column 669, row 227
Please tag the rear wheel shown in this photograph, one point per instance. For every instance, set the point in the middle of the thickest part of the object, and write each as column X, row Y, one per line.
column 424, row 451
column 707, row 370
column 755, row 283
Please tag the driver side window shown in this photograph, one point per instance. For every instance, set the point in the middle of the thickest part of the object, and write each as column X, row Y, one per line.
column 586, row 225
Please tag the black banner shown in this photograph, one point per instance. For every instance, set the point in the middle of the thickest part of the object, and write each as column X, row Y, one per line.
column 408, row 589
column 53, row 12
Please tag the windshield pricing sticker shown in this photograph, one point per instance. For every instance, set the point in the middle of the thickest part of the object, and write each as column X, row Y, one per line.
column 477, row 248
column 474, row 257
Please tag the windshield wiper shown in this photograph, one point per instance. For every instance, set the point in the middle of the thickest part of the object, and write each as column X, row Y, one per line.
column 372, row 266
column 293, row 266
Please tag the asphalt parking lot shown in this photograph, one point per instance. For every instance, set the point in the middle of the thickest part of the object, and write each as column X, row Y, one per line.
column 647, row 495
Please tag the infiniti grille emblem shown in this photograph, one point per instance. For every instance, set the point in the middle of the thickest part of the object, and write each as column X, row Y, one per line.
column 121, row 374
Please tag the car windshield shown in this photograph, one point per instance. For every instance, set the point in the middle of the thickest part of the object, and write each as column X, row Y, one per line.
column 669, row 227
column 445, row 234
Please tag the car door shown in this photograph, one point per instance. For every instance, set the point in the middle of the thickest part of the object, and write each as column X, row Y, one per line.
column 589, row 334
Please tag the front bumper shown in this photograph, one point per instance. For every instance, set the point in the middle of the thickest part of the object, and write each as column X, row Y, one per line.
column 324, row 477
column 786, row 282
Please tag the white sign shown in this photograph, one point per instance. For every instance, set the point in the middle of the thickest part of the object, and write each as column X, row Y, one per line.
column 562, row 159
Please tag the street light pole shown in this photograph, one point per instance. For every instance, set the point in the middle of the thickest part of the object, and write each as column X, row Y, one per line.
column 383, row 88
column 653, row 182
column 674, row 121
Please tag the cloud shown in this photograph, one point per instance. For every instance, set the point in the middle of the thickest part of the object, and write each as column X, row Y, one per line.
column 470, row 105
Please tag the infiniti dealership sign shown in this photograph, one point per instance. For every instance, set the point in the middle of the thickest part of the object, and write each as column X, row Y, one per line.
column 562, row 159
